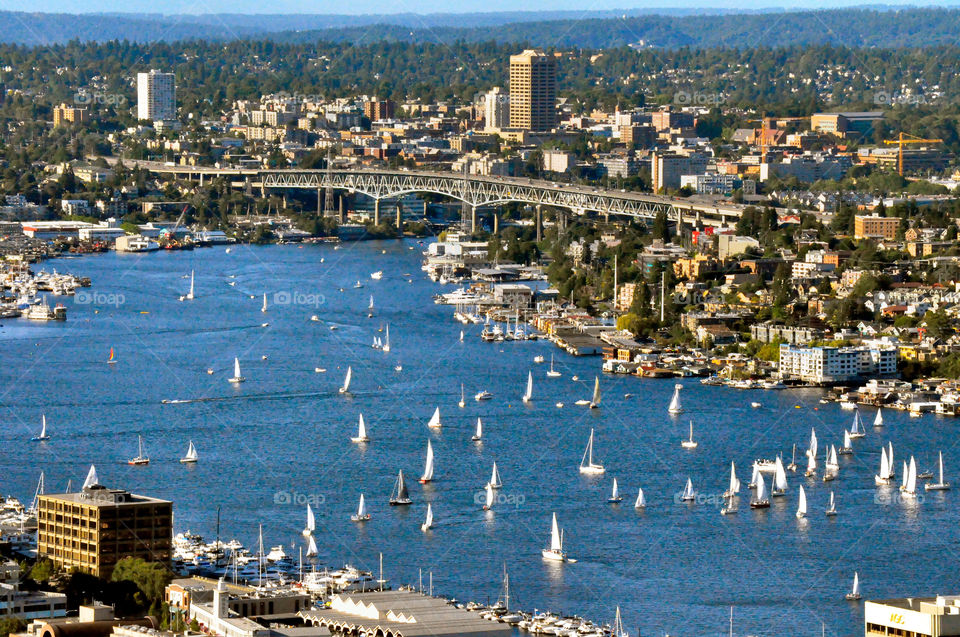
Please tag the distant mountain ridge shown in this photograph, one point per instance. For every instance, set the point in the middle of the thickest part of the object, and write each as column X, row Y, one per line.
column 881, row 27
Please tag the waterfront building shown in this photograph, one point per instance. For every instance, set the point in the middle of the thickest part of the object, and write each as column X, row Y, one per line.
column 913, row 617
column 95, row 528
column 91, row 620
column 533, row 91
column 794, row 334
column 821, row 365
column 156, row 96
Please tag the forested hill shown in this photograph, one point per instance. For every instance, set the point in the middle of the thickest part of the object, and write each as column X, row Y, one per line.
column 861, row 27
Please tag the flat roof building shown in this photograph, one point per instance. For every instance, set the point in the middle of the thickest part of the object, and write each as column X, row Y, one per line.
column 95, row 528
column 875, row 227
column 533, row 91
column 913, row 617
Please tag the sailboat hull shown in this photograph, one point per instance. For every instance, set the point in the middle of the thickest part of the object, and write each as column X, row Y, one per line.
column 362, row 518
column 937, row 487
column 188, row 460
column 592, row 470
column 400, row 503
column 555, row 556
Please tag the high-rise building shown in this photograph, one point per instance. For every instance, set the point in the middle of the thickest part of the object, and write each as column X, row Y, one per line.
column 95, row 528
column 376, row 110
column 156, row 96
column 496, row 109
column 533, row 91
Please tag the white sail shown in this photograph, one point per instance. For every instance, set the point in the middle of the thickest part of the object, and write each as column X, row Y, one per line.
column 479, row 433
column 488, row 503
column 675, row 406
column 386, row 339
column 461, row 336
column 556, row 542
column 312, row 547
column 428, row 465
column 595, row 402
column 346, row 380
column 832, row 459
column 495, row 477
column 734, row 487
column 912, row 476
column 890, row 458
column 529, row 393
column 264, row 308
column 779, row 477
column 434, row 421
column 236, row 368
column 833, row 504
column 687, row 491
column 761, row 494
column 92, row 478
column 884, row 465
column 847, row 442
column 191, row 452
column 755, row 476
column 878, row 419
column 311, row 521
column 940, row 465
column 362, row 509
column 812, row 451
column 616, row 491
column 906, row 476
column 190, row 293
column 856, row 429
column 802, row 503
column 641, row 501
column 811, row 463
column 587, row 464
column 43, row 428
column 856, row 585
column 428, row 522
column 361, row 429
column 370, row 307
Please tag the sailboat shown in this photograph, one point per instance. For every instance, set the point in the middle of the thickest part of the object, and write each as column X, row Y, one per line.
column 615, row 496
column 878, row 419
column 495, row 482
column 760, row 499
column 793, row 462
column 754, row 476
column 691, row 443
column 264, row 308
column 478, row 436
column 190, row 295
column 730, row 506
column 587, row 465
column 675, row 406
column 734, row 487
column 311, row 522
column 461, row 336
column 688, row 495
column 362, row 516
column 854, row 593
column 463, row 400
column 434, row 422
column 856, row 429
column 886, row 474
column 386, row 339
column 802, row 504
column 346, row 381
column 595, row 401
column 847, row 448
column 237, row 376
column 641, row 502
column 312, row 548
column 832, row 465
column 529, row 393
column 940, row 484
column 428, row 466
column 488, row 500
column 618, row 630
column 140, row 458
column 812, row 455
column 779, row 486
column 552, row 373
column 192, row 455
column 361, row 432
column 370, row 308
column 399, row 496
column 556, row 553
column 428, row 522
column 43, row 430
column 111, row 360
column 832, row 508
column 909, row 488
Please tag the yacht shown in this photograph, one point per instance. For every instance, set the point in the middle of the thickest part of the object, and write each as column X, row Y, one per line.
column 555, row 552
column 587, row 465
column 690, row 443
column 400, row 496
column 483, row 395
column 237, row 376
column 140, row 458
column 192, row 457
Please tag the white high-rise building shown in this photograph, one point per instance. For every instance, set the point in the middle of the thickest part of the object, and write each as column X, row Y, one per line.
column 496, row 109
column 156, row 96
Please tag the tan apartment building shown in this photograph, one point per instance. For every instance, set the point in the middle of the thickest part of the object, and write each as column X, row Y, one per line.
column 63, row 115
column 875, row 227
column 95, row 528
column 533, row 91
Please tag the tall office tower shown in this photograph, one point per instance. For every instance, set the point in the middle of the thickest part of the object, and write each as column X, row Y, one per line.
column 156, row 96
column 533, row 91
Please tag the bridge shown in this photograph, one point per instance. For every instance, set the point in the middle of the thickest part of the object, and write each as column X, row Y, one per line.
column 473, row 190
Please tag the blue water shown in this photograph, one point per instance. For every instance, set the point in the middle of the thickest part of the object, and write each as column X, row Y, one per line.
column 281, row 439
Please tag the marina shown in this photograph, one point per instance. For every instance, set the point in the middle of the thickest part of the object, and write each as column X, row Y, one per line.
column 281, row 440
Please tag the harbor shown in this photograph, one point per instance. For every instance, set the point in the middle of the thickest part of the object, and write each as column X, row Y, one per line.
column 281, row 439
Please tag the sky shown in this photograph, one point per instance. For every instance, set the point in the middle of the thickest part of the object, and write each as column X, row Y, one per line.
column 414, row 6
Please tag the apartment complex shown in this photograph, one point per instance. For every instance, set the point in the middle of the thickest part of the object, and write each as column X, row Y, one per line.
column 533, row 91
column 913, row 617
column 95, row 528
column 64, row 114
column 156, row 96
column 823, row 365
column 667, row 168
column 874, row 227
column 376, row 110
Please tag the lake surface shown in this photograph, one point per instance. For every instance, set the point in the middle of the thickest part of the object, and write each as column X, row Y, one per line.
column 281, row 439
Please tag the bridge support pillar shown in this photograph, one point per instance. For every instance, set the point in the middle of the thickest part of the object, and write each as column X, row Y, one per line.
column 473, row 219
column 424, row 209
column 201, row 180
column 539, row 223
column 399, row 216
column 319, row 202
column 376, row 212
column 343, row 209
column 496, row 225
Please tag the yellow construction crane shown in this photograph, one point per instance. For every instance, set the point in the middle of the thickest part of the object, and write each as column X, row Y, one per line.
column 904, row 139
column 767, row 123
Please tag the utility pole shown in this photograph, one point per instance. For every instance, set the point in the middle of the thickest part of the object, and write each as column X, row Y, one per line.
column 614, row 283
column 663, row 281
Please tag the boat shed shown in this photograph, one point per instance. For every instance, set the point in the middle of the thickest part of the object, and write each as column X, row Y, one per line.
column 400, row 614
